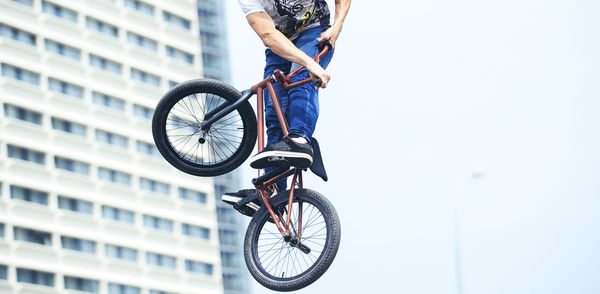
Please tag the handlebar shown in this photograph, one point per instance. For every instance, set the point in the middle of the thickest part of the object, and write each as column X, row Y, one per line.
column 286, row 80
column 322, row 45
column 318, row 82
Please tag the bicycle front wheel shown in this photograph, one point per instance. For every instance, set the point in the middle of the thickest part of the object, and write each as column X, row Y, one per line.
column 292, row 264
column 176, row 127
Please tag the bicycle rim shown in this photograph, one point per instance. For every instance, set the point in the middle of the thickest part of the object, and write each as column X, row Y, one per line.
column 206, row 148
column 278, row 259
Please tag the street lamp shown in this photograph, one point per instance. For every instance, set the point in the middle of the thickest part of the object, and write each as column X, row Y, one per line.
column 477, row 173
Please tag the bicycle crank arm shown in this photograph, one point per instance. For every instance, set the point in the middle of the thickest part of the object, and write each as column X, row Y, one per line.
column 223, row 110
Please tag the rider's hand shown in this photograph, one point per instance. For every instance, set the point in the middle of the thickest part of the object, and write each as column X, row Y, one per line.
column 316, row 70
column 331, row 35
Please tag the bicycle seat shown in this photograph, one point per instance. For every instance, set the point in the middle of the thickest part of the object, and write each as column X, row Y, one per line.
column 317, row 166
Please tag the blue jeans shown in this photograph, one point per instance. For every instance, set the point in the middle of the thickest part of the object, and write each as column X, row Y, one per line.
column 300, row 105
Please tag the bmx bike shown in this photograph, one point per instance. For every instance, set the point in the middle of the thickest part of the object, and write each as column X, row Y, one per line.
column 208, row 128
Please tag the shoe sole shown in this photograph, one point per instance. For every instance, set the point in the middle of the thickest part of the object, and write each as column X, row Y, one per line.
column 235, row 199
column 274, row 158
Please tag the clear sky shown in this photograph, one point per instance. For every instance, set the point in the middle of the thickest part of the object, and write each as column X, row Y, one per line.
column 422, row 92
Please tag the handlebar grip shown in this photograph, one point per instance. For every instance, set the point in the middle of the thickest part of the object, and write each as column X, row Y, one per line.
column 324, row 44
column 318, row 82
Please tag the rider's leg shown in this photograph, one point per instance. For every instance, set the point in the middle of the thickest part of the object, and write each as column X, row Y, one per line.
column 274, row 133
column 303, row 108
column 301, row 113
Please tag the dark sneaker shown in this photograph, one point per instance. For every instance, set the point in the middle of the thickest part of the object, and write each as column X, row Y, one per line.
column 285, row 152
column 234, row 198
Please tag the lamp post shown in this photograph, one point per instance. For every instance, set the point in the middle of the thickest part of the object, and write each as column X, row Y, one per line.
column 477, row 173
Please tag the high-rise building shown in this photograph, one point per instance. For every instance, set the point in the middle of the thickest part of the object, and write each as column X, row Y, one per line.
column 86, row 202
column 215, row 61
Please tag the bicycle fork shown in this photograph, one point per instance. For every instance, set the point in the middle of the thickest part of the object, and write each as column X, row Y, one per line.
column 284, row 225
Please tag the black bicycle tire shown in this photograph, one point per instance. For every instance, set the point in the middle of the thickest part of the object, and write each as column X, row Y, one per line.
column 197, row 86
column 323, row 262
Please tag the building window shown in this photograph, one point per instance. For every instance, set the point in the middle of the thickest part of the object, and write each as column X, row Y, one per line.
column 198, row 267
column 114, row 176
column 1, row 230
column 111, row 138
column 69, row 127
column 75, row 205
column 102, row 27
column 206, row 16
column 232, row 282
column 195, row 231
column 35, row 277
column 65, row 88
column 209, row 39
column 191, row 195
column 3, row 272
column 142, row 111
column 26, row 154
column 226, row 215
column 32, row 236
column 159, row 292
column 117, row 214
column 160, row 260
column 145, row 77
column 172, row 84
column 229, row 259
column 158, row 223
column 22, row 114
column 176, row 20
column 20, row 74
column 119, row 252
column 105, row 64
column 24, row 2
column 180, row 55
column 59, row 11
column 72, row 165
column 62, row 49
column 142, row 41
column 81, row 284
column 76, row 244
column 213, row 76
column 17, row 35
column 211, row 61
column 28, row 195
column 147, row 148
column 227, row 237
column 122, row 289
column 140, row 6
column 108, row 101
column 154, row 186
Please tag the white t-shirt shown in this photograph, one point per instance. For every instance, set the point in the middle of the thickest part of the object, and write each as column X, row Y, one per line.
column 290, row 16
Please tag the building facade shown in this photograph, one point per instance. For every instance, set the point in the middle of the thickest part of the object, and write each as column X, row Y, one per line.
column 86, row 202
column 215, row 61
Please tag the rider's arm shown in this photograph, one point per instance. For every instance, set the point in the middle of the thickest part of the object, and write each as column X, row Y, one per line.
column 341, row 10
column 264, row 26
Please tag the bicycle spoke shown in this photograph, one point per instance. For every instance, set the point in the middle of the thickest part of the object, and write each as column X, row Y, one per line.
column 223, row 139
column 279, row 258
column 199, row 106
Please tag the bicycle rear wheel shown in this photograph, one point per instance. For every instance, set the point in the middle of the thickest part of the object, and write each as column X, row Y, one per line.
column 179, row 138
column 290, row 265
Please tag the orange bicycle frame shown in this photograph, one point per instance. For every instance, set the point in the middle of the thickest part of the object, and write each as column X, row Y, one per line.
column 262, row 188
